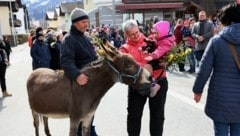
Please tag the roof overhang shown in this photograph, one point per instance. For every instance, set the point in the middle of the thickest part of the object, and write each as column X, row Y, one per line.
column 196, row 5
column 172, row 5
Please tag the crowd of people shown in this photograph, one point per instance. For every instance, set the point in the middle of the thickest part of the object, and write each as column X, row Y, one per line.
column 209, row 39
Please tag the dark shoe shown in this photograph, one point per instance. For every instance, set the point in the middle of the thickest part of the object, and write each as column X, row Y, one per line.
column 182, row 70
column 191, row 71
column 181, row 67
column 93, row 131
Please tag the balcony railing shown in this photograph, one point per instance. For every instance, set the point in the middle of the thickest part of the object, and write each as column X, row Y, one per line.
column 151, row 1
column 16, row 23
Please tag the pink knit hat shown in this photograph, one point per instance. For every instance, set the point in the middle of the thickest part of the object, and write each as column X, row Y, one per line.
column 162, row 27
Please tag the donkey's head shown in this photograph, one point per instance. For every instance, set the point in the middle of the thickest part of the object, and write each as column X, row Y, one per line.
column 126, row 68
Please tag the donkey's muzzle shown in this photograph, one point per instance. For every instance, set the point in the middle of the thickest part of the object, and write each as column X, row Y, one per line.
column 143, row 89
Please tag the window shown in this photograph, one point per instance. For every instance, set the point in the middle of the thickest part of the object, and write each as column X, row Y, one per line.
column 126, row 16
column 136, row 16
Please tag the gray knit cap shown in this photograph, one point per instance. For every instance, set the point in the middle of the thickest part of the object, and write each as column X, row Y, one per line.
column 78, row 14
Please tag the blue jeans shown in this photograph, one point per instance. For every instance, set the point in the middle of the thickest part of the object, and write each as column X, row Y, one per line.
column 224, row 129
column 191, row 60
column 199, row 54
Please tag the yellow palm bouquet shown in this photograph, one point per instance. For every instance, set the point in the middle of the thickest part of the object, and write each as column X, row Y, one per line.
column 177, row 54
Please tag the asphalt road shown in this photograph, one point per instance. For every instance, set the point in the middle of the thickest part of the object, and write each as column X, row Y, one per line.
column 183, row 116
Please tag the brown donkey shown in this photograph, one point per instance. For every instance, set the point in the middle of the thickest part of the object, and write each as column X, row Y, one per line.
column 52, row 94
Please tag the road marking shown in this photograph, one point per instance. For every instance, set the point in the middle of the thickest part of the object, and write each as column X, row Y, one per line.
column 186, row 100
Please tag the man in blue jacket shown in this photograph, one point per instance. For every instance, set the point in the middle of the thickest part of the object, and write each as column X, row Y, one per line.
column 77, row 51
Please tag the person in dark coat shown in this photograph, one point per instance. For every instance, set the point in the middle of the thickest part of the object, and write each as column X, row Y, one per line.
column 223, row 100
column 3, row 66
column 77, row 51
column 6, row 46
column 40, row 53
column 202, row 31
column 179, row 40
column 55, row 53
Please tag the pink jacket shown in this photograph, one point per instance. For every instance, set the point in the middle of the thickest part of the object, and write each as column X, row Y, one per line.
column 134, row 49
column 164, row 45
column 165, row 41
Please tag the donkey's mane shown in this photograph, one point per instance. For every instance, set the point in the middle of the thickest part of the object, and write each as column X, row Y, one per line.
column 93, row 65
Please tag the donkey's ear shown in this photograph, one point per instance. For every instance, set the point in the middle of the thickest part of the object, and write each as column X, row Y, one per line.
column 110, row 52
column 110, row 46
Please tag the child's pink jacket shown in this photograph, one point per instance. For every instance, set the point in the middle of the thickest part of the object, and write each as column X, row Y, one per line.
column 164, row 45
column 165, row 42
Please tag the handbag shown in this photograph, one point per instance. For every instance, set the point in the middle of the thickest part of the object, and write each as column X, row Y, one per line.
column 235, row 55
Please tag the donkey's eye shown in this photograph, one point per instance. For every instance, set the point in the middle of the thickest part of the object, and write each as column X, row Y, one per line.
column 127, row 65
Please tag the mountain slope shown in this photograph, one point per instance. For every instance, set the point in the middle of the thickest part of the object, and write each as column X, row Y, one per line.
column 37, row 8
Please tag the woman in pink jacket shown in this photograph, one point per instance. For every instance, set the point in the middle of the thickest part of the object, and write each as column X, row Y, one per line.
column 137, row 98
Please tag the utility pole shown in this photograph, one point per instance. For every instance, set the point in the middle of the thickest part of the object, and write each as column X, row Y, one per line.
column 11, row 16
column 113, row 8
column 26, row 19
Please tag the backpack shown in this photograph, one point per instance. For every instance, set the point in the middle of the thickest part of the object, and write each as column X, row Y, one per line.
column 1, row 56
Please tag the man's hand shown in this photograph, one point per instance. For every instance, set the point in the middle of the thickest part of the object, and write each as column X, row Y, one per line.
column 197, row 97
column 82, row 79
column 200, row 38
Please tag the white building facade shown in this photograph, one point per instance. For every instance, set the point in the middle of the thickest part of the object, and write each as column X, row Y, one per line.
column 104, row 14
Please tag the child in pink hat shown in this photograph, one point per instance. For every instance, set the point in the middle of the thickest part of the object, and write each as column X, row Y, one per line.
column 164, row 43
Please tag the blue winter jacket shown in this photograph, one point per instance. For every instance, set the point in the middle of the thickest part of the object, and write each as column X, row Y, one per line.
column 40, row 55
column 223, row 99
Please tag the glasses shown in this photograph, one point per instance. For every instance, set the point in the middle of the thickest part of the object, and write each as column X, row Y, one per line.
column 134, row 34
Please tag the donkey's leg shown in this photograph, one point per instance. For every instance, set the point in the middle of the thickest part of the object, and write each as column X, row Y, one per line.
column 86, row 124
column 36, row 122
column 74, row 123
column 46, row 128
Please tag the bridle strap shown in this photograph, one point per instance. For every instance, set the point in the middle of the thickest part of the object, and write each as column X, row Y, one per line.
column 121, row 75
